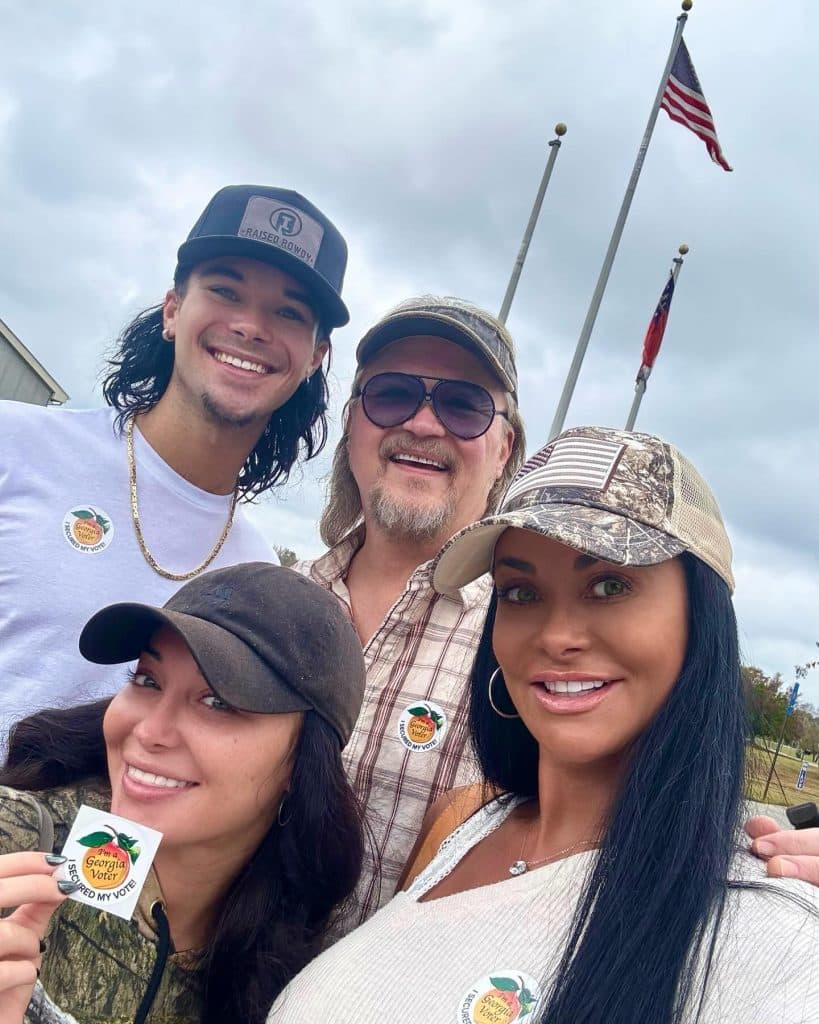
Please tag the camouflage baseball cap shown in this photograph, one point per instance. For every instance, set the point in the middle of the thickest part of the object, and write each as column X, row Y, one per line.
column 626, row 498
column 453, row 320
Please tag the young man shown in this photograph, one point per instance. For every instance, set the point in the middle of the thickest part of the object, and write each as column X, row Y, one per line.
column 213, row 394
column 432, row 437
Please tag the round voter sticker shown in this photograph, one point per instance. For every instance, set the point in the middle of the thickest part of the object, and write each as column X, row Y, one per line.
column 422, row 726
column 504, row 996
column 88, row 529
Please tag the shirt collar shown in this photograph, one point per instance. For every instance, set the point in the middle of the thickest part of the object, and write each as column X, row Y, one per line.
column 333, row 564
column 332, row 567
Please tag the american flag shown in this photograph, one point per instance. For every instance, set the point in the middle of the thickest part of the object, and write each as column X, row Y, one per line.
column 569, row 462
column 683, row 101
column 656, row 330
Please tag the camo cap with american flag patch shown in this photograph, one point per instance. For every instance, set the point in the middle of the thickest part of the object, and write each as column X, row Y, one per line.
column 626, row 498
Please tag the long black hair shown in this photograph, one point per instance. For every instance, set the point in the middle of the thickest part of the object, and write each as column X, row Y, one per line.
column 279, row 909
column 661, row 878
column 140, row 367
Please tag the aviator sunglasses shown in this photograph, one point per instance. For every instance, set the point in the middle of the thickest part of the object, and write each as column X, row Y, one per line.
column 464, row 408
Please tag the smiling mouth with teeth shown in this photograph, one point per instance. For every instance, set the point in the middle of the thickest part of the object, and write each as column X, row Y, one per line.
column 241, row 364
column 575, row 685
column 418, row 460
column 151, row 779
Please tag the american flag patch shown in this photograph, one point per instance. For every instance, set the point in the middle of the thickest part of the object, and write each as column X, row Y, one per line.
column 572, row 462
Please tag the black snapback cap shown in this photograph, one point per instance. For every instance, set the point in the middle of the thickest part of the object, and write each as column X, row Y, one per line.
column 266, row 639
column 277, row 226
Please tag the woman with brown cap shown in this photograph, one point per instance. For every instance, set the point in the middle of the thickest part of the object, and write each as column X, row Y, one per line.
column 226, row 738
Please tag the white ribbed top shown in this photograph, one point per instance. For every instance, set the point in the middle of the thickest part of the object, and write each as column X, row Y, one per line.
column 424, row 963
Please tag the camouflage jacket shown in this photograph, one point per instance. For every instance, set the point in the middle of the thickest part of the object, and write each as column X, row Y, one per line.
column 96, row 967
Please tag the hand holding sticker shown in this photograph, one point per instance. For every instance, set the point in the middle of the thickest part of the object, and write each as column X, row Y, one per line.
column 110, row 858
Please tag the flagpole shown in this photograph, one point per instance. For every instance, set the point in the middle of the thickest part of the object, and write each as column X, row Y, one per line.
column 642, row 380
column 602, row 281
column 560, row 131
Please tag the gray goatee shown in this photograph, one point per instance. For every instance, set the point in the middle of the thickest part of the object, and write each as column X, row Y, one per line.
column 409, row 521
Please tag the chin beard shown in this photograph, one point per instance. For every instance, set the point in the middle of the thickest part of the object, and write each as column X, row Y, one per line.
column 408, row 521
column 221, row 417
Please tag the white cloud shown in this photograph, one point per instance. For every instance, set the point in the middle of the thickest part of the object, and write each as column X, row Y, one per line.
column 421, row 128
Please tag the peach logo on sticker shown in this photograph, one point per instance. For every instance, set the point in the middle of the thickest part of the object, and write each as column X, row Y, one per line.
column 502, row 997
column 109, row 857
column 422, row 726
column 88, row 529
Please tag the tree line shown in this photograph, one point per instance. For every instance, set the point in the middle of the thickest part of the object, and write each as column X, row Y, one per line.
column 767, row 698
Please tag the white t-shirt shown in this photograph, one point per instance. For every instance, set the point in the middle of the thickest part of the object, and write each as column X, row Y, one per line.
column 487, row 954
column 68, row 546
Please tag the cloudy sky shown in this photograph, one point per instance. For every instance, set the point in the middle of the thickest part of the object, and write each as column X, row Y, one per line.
column 421, row 128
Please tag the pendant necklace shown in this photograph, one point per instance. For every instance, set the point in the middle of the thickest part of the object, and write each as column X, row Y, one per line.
column 521, row 865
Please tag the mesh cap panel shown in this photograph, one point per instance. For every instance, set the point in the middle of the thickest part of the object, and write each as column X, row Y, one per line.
column 695, row 518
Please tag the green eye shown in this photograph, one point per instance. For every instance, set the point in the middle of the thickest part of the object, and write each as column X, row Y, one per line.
column 518, row 594
column 610, row 587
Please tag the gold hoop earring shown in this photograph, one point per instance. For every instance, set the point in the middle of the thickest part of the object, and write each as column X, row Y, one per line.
column 492, row 704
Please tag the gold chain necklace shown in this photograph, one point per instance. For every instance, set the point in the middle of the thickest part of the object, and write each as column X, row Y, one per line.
column 521, row 865
column 179, row 577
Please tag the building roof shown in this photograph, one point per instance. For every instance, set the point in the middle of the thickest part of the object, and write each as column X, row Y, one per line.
column 57, row 393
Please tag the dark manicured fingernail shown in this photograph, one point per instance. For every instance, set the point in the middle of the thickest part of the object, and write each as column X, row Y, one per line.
column 66, row 888
column 42, row 946
column 54, row 859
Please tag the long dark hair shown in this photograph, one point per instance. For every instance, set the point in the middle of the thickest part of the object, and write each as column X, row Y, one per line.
column 140, row 367
column 661, row 877
column 278, row 910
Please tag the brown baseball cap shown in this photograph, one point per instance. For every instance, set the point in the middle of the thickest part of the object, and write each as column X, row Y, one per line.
column 453, row 320
column 266, row 639
column 622, row 497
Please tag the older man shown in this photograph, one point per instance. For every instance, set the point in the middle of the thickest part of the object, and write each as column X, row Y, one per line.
column 432, row 437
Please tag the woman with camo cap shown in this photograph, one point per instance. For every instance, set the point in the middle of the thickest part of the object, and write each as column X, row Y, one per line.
column 604, row 883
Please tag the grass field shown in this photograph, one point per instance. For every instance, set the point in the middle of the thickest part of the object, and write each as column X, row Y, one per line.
column 782, row 789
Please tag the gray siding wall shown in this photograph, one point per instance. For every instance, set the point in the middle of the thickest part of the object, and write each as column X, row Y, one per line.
column 18, row 380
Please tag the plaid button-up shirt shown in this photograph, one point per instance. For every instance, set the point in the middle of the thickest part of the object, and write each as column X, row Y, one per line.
column 421, row 653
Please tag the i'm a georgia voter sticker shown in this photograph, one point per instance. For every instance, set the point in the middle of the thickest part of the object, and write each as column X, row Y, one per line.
column 422, row 726
column 110, row 857
column 87, row 529
column 501, row 997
